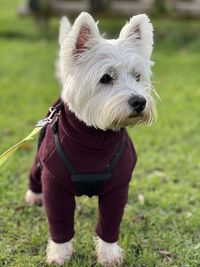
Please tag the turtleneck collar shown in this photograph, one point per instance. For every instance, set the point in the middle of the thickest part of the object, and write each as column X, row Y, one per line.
column 89, row 137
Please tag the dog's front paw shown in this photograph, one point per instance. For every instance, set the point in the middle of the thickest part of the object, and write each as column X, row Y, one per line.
column 59, row 253
column 108, row 254
column 33, row 198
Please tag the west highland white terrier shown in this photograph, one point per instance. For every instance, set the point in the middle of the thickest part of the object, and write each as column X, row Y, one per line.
column 86, row 149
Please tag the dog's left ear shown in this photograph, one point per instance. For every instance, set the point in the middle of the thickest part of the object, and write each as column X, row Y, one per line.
column 139, row 31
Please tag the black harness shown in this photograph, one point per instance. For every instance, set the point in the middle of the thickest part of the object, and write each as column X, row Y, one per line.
column 88, row 184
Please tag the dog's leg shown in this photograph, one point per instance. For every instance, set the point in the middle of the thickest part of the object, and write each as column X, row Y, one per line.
column 59, row 205
column 111, row 209
column 34, row 193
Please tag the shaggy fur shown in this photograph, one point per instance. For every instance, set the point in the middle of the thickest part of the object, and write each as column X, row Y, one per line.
column 86, row 56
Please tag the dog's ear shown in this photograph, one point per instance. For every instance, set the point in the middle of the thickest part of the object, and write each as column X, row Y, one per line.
column 139, row 31
column 65, row 27
column 87, row 31
column 84, row 33
column 82, row 36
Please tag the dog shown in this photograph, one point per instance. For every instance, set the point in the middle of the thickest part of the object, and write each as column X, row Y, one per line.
column 106, row 86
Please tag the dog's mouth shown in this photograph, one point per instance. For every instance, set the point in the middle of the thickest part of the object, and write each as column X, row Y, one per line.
column 135, row 118
column 136, row 114
column 132, row 119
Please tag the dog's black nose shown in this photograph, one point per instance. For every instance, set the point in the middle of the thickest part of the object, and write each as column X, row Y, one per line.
column 138, row 103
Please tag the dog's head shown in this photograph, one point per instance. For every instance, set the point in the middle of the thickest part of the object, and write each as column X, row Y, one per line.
column 107, row 83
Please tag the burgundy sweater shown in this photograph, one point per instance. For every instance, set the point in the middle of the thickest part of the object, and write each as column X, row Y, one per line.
column 90, row 150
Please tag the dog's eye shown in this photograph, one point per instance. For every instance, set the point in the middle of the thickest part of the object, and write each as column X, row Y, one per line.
column 137, row 77
column 106, row 78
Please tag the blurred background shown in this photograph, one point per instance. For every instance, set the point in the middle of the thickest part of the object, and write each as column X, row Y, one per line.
column 161, row 225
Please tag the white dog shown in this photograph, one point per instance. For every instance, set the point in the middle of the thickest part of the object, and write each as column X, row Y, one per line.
column 106, row 87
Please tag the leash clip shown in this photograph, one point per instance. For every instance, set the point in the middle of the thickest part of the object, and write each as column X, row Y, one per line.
column 52, row 111
column 49, row 119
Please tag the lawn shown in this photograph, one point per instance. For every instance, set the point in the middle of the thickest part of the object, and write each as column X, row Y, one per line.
column 161, row 225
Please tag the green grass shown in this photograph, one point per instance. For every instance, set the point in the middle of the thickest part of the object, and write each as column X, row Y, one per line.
column 165, row 230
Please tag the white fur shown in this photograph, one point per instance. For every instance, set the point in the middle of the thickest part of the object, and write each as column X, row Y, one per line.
column 33, row 198
column 108, row 254
column 99, row 105
column 59, row 253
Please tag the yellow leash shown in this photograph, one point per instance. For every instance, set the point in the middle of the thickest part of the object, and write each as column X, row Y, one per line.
column 10, row 151
column 38, row 127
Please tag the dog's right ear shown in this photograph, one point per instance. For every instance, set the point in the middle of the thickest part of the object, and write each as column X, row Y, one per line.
column 82, row 36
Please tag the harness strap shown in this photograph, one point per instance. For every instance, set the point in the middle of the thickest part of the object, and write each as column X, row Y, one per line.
column 114, row 160
column 58, row 106
column 87, row 183
column 59, row 149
